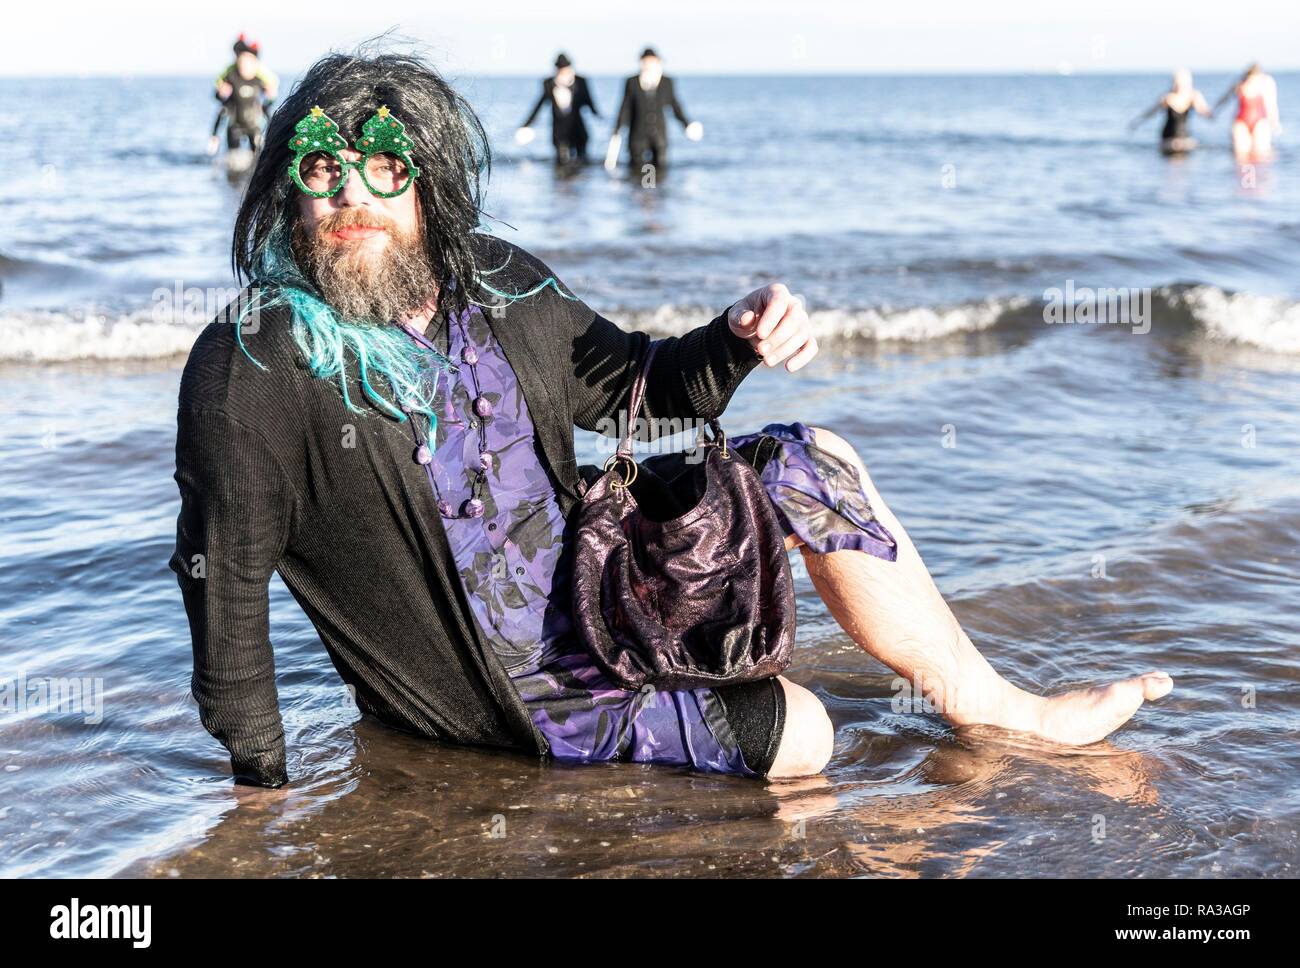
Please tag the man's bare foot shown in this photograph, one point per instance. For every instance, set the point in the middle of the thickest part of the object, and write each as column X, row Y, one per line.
column 1073, row 719
column 1088, row 715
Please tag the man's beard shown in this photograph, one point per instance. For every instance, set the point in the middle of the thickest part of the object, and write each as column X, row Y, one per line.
column 364, row 286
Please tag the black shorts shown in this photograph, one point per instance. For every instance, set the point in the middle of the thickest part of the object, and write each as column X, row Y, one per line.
column 756, row 714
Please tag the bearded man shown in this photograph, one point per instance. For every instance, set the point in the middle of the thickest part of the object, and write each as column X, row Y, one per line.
column 385, row 418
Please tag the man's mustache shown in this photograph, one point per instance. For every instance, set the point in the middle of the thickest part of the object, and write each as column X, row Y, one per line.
column 348, row 218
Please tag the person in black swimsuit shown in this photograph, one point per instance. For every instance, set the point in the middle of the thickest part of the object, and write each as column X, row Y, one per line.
column 1175, row 128
column 1179, row 102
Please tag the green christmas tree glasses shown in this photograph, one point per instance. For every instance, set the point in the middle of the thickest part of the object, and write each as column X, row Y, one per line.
column 319, row 170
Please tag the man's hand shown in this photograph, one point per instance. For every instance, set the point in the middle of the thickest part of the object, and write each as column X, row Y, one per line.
column 776, row 325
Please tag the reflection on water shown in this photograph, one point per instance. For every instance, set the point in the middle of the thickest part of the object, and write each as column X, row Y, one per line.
column 894, row 805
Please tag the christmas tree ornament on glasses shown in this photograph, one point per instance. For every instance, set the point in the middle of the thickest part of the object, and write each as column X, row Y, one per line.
column 385, row 165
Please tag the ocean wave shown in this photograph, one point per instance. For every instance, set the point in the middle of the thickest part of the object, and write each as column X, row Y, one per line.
column 1264, row 322
column 1267, row 322
column 44, row 336
column 912, row 324
column 13, row 267
column 47, row 336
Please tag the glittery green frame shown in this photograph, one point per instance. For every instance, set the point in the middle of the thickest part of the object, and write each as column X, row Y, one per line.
column 317, row 133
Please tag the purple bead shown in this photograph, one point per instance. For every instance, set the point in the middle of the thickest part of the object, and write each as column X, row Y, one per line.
column 473, row 508
column 423, row 454
column 444, row 508
column 483, row 407
column 485, row 460
column 469, row 355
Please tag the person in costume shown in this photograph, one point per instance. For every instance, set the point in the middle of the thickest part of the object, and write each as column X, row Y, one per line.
column 385, row 418
column 567, row 94
column 245, row 89
column 646, row 96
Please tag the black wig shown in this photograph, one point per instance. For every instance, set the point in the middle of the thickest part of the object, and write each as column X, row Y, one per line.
column 450, row 147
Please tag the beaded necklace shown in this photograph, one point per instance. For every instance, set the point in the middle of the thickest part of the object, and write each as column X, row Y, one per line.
column 473, row 506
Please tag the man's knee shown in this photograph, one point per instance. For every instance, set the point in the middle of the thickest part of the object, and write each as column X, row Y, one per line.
column 832, row 442
column 808, row 738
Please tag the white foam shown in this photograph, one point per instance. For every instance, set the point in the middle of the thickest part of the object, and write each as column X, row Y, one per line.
column 909, row 325
column 1269, row 322
column 48, row 336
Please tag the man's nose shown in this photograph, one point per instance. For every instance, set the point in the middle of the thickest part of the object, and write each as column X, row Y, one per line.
column 354, row 191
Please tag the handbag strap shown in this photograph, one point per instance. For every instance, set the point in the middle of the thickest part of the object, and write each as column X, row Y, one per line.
column 634, row 401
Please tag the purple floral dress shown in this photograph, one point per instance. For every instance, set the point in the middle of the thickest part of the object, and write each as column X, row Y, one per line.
column 516, row 575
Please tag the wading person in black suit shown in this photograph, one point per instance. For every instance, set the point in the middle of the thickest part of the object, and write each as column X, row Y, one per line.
column 645, row 96
column 567, row 94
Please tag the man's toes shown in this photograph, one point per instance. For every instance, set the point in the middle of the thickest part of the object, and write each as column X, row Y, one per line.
column 1155, row 685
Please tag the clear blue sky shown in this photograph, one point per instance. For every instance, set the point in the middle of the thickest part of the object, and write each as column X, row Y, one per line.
column 695, row 36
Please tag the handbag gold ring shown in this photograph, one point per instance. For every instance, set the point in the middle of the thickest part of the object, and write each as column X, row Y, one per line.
column 629, row 476
column 719, row 439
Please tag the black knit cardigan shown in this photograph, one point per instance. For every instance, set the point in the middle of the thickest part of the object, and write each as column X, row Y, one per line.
column 276, row 474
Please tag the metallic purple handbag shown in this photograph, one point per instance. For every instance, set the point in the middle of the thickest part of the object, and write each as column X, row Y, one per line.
column 681, row 577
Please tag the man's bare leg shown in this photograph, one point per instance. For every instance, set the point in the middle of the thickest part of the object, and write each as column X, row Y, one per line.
column 895, row 613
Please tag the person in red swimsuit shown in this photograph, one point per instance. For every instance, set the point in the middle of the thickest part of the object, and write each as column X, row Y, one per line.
column 1257, row 116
